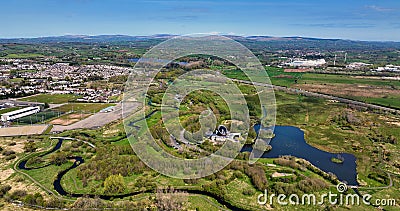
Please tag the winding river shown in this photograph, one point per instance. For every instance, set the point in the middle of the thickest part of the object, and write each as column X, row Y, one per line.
column 288, row 140
column 79, row 160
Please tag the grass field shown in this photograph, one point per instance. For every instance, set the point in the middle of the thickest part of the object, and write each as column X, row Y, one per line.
column 40, row 117
column 367, row 89
column 23, row 55
column 83, row 107
column 51, row 98
column 5, row 110
column 16, row 80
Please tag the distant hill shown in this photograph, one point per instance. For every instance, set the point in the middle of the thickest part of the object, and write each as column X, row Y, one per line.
column 85, row 38
column 254, row 42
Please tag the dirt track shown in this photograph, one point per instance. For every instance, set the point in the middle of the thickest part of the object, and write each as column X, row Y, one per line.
column 23, row 130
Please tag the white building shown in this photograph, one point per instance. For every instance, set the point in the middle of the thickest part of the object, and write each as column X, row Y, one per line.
column 389, row 68
column 357, row 65
column 19, row 113
column 306, row 63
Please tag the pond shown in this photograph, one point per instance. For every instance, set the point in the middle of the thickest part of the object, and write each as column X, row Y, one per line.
column 290, row 140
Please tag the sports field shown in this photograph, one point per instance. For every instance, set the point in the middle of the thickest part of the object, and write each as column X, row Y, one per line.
column 51, row 98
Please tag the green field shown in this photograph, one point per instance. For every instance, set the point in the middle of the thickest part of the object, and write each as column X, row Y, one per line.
column 280, row 78
column 5, row 110
column 22, row 55
column 40, row 117
column 51, row 98
column 83, row 107
column 16, row 80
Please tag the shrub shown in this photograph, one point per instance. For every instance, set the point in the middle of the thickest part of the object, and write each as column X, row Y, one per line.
column 59, row 158
column 114, row 184
column 11, row 157
column 4, row 189
column 88, row 204
column 8, row 152
column 30, row 146
column 34, row 160
column 18, row 194
column 171, row 199
column 248, row 192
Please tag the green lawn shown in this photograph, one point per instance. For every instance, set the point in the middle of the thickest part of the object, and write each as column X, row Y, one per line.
column 16, row 80
column 83, row 107
column 23, row 55
column 390, row 101
column 51, row 98
column 345, row 79
column 5, row 110
column 47, row 175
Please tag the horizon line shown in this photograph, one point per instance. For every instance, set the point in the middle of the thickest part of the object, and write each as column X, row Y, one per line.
column 213, row 33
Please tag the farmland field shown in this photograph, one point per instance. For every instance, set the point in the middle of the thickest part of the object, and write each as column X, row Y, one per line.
column 366, row 89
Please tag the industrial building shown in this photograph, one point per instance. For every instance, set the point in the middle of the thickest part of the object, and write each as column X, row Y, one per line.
column 13, row 115
column 306, row 63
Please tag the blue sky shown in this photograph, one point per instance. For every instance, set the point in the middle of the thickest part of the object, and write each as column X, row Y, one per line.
column 348, row 19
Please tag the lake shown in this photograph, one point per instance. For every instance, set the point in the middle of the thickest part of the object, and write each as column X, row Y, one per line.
column 290, row 140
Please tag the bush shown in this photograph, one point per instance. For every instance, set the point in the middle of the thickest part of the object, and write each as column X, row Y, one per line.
column 54, row 203
column 34, row 160
column 88, row 204
column 19, row 179
column 171, row 199
column 8, row 152
column 59, row 158
column 4, row 189
column 30, row 146
column 11, row 157
column 248, row 192
column 114, row 184
column 34, row 199
column 18, row 194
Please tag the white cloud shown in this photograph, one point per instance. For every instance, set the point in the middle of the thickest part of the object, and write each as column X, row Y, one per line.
column 379, row 9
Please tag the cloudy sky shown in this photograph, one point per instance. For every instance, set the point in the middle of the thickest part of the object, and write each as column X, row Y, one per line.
column 347, row 19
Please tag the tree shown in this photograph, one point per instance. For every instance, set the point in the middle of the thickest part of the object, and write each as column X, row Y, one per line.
column 30, row 146
column 114, row 184
column 59, row 158
column 88, row 203
column 171, row 199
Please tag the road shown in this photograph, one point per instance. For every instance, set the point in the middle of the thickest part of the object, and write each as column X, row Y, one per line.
column 325, row 96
